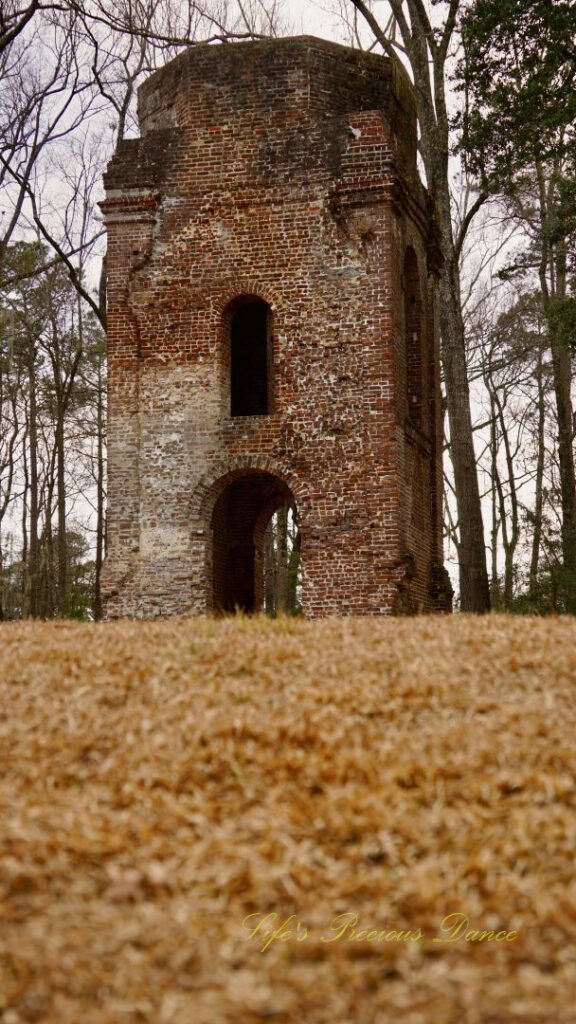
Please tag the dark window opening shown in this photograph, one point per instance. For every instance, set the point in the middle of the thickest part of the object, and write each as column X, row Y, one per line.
column 250, row 360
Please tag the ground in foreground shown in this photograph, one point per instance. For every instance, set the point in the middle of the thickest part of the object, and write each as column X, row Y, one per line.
column 175, row 792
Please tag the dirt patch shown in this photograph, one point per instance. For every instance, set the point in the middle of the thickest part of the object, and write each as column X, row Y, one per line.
column 172, row 793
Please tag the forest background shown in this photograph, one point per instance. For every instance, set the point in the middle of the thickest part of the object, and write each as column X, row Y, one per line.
column 497, row 109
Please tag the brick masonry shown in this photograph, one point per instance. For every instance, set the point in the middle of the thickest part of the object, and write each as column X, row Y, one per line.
column 283, row 171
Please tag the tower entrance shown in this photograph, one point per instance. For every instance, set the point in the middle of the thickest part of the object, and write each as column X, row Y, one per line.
column 241, row 515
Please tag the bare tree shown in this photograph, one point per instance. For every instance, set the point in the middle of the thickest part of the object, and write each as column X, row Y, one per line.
column 511, row 369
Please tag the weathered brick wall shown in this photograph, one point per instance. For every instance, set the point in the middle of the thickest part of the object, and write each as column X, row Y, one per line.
column 283, row 170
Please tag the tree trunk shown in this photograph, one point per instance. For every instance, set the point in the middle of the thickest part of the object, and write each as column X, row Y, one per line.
column 539, row 482
column 269, row 569
column 493, row 498
column 562, row 371
column 434, row 128
column 100, row 497
column 282, row 581
column 511, row 534
column 294, row 558
column 554, row 290
column 474, row 589
column 32, row 565
column 62, row 552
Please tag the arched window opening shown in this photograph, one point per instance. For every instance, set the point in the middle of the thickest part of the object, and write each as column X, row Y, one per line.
column 256, row 546
column 413, row 337
column 251, row 359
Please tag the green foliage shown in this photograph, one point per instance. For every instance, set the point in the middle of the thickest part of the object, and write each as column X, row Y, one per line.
column 517, row 75
column 551, row 594
column 80, row 593
column 80, row 571
column 562, row 319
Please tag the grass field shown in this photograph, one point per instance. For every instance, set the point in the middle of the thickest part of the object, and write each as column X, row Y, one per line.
column 252, row 820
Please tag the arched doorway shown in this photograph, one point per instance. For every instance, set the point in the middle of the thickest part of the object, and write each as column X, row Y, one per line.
column 241, row 539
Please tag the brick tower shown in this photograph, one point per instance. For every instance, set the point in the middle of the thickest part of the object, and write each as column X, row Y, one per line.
column 273, row 336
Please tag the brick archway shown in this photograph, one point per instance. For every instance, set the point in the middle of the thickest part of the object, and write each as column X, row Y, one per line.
column 224, row 471
column 241, row 512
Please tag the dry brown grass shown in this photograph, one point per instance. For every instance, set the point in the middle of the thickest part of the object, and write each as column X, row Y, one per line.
column 162, row 781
